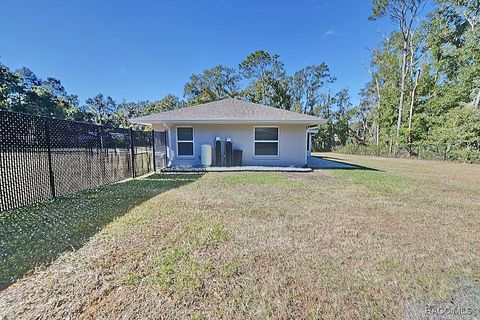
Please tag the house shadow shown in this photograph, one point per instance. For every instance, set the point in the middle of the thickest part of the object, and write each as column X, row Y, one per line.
column 36, row 235
column 321, row 162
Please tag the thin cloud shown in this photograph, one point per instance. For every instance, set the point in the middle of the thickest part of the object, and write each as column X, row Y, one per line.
column 330, row 33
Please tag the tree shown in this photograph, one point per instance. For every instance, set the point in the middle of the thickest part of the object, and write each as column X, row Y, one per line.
column 281, row 96
column 212, row 85
column 338, row 114
column 342, row 116
column 385, row 79
column 453, row 38
column 307, row 86
column 100, row 108
column 404, row 13
column 9, row 82
column 267, row 77
column 459, row 133
column 371, row 101
column 167, row 103
column 23, row 91
column 324, row 140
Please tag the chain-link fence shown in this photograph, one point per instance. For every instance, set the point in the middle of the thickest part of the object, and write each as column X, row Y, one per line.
column 42, row 158
column 426, row 151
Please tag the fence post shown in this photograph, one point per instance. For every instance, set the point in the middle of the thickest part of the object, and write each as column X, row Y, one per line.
column 153, row 151
column 102, row 154
column 132, row 151
column 49, row 153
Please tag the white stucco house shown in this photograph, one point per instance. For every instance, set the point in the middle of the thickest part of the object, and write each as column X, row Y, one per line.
column 265, row 135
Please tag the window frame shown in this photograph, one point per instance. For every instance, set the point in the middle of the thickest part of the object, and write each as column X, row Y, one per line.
column 192, row 141
column 263, row 156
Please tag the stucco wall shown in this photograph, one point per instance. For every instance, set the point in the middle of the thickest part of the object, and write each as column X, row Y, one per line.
column 292, row 143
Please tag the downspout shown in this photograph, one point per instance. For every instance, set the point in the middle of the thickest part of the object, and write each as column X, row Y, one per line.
column 169, row 146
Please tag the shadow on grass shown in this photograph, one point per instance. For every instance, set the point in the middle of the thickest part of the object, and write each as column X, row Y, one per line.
column 332, row 163
column 36, row 235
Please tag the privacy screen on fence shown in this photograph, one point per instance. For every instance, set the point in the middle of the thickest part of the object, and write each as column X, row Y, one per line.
column 41, row 158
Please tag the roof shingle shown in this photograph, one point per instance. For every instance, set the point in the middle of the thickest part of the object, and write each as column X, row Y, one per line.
column 228, row 110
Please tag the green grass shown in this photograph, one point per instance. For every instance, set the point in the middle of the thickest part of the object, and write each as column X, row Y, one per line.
column 34, row 235
column 178, row 269
column 377, row 181
column 255, row 179
column 349, row 244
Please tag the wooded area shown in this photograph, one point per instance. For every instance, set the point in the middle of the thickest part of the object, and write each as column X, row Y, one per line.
column 425, row 81
column 424, row 87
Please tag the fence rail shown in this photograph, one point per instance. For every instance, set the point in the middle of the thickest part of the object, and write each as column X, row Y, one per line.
column 42, row 158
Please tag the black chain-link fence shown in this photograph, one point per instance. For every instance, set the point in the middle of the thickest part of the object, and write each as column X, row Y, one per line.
column 42, row 158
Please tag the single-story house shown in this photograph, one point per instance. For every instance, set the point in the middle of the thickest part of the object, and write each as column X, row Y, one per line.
column 267, row 136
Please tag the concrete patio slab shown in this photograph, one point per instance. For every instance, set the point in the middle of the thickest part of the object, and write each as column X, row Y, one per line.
column 313, row 163
column 236, row 169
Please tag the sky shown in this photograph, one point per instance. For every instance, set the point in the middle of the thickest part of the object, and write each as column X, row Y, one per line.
column 142, row 50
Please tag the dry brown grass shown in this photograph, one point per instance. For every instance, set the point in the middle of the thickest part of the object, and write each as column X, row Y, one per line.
column 328, row 244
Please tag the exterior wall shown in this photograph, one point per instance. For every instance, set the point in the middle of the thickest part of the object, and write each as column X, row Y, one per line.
column 292, row 143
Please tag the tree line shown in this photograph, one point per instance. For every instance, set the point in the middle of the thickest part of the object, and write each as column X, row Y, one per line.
column 261, row 78
column 23, row 91
column 425, row 79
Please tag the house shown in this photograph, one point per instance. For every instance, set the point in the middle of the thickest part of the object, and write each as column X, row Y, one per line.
column 267, row 136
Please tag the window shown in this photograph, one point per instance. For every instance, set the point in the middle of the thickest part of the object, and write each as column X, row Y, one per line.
column 266, row 141
column 185, row 141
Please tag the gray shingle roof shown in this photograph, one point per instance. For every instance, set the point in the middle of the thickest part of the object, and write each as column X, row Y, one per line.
column 228, row 110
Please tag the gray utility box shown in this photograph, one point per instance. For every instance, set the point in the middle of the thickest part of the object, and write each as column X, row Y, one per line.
column 218, row 152
column 228, row 152
column 237, row 157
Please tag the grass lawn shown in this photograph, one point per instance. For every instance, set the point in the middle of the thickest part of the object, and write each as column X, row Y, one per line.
column 327, row 244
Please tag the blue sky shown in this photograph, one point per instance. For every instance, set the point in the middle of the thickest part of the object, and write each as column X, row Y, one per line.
column 142, row 50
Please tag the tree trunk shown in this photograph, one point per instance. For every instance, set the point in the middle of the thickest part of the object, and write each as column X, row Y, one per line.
column 379, row 104
column 263, row 92
column 402, row 87
column 390, row 146
column 412, row 103
column 476, row 101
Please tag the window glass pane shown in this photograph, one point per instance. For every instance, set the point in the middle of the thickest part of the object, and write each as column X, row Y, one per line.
column 185, row 149
column 266, row 148
column 184, row 134
column 266, row 133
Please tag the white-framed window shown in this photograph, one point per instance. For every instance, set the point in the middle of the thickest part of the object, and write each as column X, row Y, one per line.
column 185, row 145
column 266, row 142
